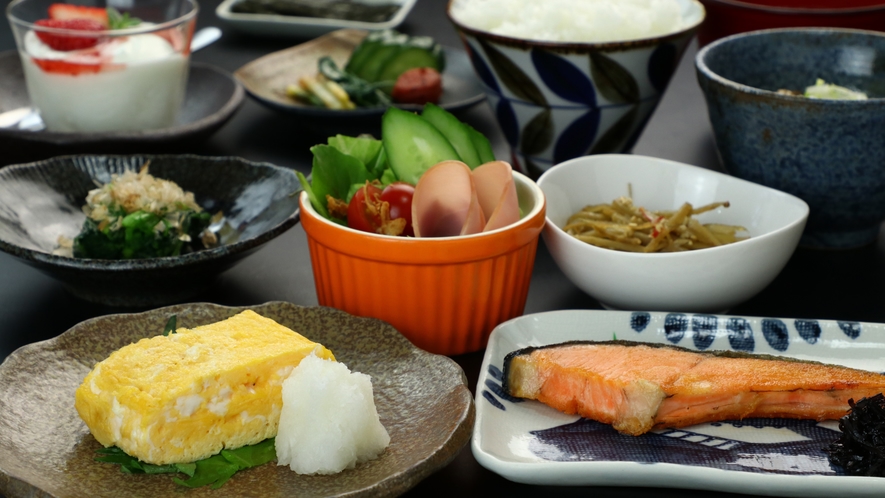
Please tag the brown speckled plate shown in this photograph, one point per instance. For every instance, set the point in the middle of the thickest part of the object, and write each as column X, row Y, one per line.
column 265, row 79
column 47, row 451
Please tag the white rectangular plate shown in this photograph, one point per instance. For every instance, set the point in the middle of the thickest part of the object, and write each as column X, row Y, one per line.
column 526, row 441
column 301, row 27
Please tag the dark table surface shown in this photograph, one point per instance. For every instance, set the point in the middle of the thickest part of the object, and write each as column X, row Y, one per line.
column 843, row 285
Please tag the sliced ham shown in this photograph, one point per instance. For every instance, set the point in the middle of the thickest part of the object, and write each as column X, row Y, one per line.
column 497, row 194
column 445, row 203
column 450, row 199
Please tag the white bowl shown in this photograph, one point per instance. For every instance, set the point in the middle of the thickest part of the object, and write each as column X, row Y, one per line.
column 705, row 280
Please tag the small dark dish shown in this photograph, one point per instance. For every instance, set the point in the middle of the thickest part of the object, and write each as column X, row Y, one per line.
column 266, row 78
column 829, row 153
column 728, row 17
column 46, row 450
column 41, row 201
column 210, row 100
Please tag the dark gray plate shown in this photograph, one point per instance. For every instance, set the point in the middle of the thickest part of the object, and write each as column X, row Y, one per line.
column 212, row 97
column 266, row 78
column 40, row 201
column 46, row 450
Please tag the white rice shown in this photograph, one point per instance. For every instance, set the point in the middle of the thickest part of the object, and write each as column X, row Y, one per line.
column 328, row 422
column 586, row 21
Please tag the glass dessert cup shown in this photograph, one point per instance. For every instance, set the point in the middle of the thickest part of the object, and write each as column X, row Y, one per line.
column 127, row 79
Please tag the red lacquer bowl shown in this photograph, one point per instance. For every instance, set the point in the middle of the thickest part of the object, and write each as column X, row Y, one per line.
column 728, row 17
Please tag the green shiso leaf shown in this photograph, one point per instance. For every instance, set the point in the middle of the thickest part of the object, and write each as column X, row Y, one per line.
column 171, row 325
column 214, row 471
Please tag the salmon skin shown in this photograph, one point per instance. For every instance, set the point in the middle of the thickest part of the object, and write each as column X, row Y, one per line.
column 637, row 387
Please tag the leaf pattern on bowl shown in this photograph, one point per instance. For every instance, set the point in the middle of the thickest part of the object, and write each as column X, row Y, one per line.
column 513, row 77
column 533, row 169
column 481, row 68
column 661, row 65
column 577, row 138
column 508, row 122
column 612, row 80
column 537, row 134
column 563, row 78
column 618, row 135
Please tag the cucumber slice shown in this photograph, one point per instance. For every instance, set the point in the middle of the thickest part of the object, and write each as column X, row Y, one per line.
column 409, row 58
column 454, row 131
column 435, row 49
column 482, row 145
column 366, row 48
column 412, row 144
column 379, row 58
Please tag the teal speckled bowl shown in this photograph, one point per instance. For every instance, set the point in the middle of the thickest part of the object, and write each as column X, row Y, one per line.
column 830, row 153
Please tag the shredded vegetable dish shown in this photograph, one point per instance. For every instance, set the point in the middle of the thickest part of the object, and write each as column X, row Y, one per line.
column 625, row 227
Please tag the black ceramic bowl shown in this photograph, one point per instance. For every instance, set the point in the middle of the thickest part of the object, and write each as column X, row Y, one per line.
column 41, row 201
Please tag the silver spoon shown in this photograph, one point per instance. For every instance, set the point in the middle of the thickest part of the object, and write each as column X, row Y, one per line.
column 25, row 118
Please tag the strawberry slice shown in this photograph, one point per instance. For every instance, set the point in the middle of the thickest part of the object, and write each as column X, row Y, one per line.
column 67, row 43
column 63, row 11
column 65, row 67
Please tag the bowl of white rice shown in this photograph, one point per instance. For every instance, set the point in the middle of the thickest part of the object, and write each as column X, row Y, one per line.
column 567, row 78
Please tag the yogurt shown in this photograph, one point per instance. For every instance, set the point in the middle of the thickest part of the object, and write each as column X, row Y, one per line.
column 126, row 83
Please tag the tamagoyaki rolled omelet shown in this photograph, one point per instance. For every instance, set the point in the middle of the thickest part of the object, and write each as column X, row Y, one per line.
column 186, row 396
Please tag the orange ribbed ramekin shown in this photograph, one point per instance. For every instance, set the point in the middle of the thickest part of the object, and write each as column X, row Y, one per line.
column 444, row 294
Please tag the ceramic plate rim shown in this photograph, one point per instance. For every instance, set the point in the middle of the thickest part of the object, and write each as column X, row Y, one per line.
column 303, row 25
column 659, row 474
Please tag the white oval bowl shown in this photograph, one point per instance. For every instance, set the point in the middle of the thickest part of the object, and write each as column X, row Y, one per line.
column 705, row 280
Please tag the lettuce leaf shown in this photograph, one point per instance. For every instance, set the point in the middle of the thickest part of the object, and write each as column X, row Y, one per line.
column 342, row 166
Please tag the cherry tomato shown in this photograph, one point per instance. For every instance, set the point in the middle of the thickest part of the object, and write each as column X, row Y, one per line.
column 360, row 215
column 399, row 196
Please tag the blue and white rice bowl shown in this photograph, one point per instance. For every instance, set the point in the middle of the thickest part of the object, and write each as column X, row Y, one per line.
column 556, row 101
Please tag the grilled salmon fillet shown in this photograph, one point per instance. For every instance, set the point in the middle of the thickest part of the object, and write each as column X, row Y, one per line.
column 637, row 387
column 186, row 396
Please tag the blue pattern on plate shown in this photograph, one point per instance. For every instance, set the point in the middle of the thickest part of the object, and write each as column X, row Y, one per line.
column 851, row 329
column 508, row 122
column 563, row 78
column 800, row 450
column 740, row 334
column 808, row 330
column 481, row 68
column 575, row 140
column 491, row 399
column 639, row 320
column 775, row 332
column 675, row 325
column 496, row 372
column 499, row 391
column 704, row 330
